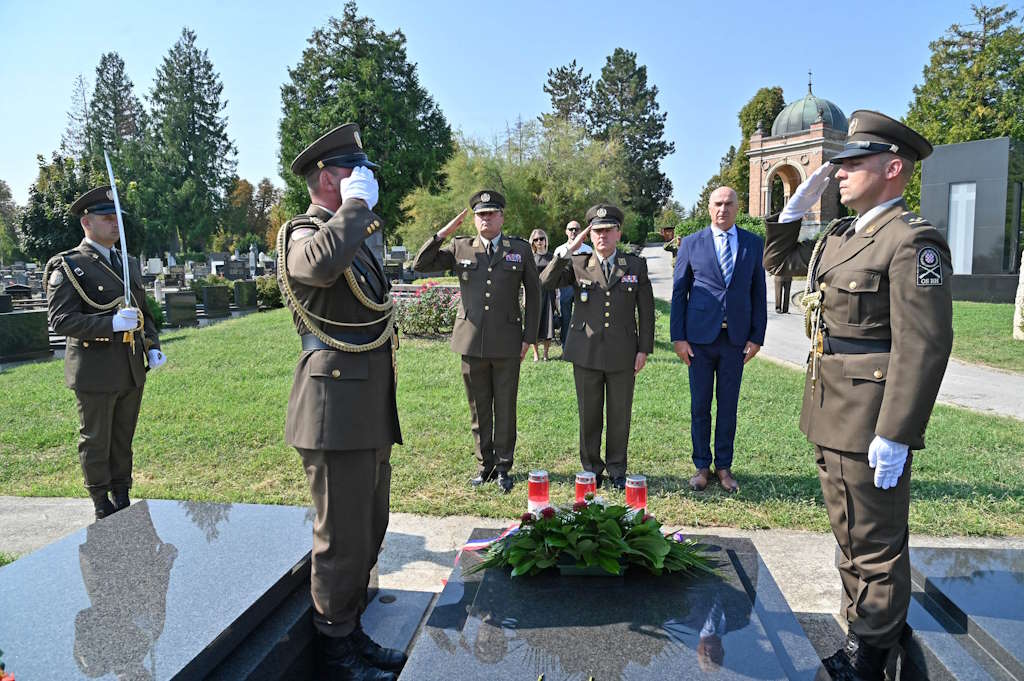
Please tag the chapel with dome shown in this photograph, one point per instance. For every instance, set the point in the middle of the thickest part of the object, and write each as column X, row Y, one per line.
column 805, row 135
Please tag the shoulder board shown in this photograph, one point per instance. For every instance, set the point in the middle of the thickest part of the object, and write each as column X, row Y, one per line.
column 463, row 236
column 914, row 220
column 517, row 238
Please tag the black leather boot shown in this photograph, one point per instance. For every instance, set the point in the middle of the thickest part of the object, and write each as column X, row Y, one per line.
column 389, row 659
column 121, row 500
column 341, row 661
column 101, row 504
column 857, row 661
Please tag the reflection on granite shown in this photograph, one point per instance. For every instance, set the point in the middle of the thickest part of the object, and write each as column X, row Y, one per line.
column 152, row 592
column 491, row 626
column 982, row 590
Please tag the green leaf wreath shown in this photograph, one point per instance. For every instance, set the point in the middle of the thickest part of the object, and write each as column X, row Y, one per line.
column 591, row 534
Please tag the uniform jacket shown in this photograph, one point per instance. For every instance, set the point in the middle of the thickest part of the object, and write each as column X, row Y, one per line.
column 489, row 322
column 890, row 280
column 612, row 319
column 339, row 400
column 701, row 301
column 96, row 359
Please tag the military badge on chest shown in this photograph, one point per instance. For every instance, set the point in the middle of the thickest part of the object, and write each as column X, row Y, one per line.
column 513, row 257
column 929, row 267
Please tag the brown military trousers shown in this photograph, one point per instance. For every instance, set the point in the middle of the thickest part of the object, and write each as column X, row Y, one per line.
column 592, row 386
column 351, row 492
column 492, row 387
column 870, row 525
column 105, row 431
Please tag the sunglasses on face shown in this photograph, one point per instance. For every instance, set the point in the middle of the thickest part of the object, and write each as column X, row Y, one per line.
column 540, row 238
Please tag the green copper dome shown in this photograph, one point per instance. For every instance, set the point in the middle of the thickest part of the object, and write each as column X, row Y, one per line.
column 801, row 114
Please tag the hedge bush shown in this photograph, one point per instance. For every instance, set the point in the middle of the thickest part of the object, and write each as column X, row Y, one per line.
column 268, row 293
column 429, row 312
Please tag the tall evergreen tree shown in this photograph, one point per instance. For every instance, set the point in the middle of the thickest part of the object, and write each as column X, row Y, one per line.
column 116, row 116
column 10, row 241
column 75, row 140
column 193, row 158
column 571, row 91
column 973, row 86
column 353, row 72
column 626, row 108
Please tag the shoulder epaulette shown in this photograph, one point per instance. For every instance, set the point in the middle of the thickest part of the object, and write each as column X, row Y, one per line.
column 913, row 219
column 464, row 236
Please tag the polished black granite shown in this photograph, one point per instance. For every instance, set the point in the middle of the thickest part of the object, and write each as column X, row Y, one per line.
column 968, row 611
column 161, row 590
column 733, row 626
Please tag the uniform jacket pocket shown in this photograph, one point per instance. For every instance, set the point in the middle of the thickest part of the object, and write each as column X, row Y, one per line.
column 340, row 366
column 870, row 367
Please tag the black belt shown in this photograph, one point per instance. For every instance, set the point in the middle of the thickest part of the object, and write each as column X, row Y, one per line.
column 311, row 342
column 855, row 346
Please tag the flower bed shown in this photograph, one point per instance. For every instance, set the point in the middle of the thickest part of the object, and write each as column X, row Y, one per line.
column 590, row 534
column 430, row 311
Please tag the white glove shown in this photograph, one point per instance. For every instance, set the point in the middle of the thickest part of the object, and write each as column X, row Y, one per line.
column 126, row 319
column 361, row 184
column 887, row 458
column 807, row 194
column 156, row 359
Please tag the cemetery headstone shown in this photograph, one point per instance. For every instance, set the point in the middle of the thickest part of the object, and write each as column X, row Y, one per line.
column 24, row 335
column 5, row 303
column 18, row 291
column 215, row 301
column 181, row 308
column 234, row 270
column 245, row 295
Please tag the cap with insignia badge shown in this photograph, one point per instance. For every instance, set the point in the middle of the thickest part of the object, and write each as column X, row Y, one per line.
column 604, row 216
column 341, row 148
column 871, row 132
column 97, row 201
column 487, row 201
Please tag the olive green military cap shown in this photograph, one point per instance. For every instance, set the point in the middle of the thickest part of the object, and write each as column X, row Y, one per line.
column 341, row 147
column 604, row 216
column 96, row 201
column 486, row 201
column 871, row 132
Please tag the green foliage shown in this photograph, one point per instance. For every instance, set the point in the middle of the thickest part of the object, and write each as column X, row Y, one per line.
column 625, row 108
column 192, row 156
column 591, row 534
column 429, row 312
column 655, row 238
column 268, row 293
column 198, row 283
column 156, row 310
column 751, row 224
column 571, row 91
column 973, row 86
column 46, row 224
column 10, row 239
column 351, row 71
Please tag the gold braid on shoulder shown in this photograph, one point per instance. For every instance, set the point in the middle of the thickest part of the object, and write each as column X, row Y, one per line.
column 129, row 336
column 307, row 317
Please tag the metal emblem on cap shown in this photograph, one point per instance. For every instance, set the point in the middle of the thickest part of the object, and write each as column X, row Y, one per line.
column 601, row 212
column 853, row 126
column 110, row 195
column 485, row 197
column 359, row 142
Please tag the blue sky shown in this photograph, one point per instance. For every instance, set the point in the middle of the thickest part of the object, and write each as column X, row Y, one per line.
column 484, row 63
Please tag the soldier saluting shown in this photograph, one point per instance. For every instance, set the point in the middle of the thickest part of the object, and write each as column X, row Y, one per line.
column 108, row 346
column 879, row 312
column 342, row 415
column 490, row 332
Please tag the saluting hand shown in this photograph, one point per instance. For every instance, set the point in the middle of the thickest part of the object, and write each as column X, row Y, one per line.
column 453, row 226
column 639, row 363
column 575, row 244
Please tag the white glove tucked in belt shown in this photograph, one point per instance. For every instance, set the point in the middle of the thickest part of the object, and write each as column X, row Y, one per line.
column 887, row 458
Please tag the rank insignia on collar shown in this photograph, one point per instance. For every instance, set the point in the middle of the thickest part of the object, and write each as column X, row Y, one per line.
column 506, row 243
column 79, row 272
column 929, row 267
column 621, row 261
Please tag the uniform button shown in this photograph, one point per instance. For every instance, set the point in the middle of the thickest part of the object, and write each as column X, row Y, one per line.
column 99, row 288
column 487, row 295
column 606, row 325
column 488, row 282
column 487, row 307
column 822, row 286
column 336, row 373
column 878, row 373
column 607, row 314
column 490, row 269
column 85, row 344
column 607, row 304
column 853, row 284
column 607, row 293
column 376, row 223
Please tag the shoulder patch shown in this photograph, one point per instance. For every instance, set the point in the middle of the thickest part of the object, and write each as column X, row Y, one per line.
column 929, row 267
column 302, row 233
column 56, row 278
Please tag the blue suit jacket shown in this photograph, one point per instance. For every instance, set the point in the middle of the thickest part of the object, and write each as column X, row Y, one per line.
column 701, row 301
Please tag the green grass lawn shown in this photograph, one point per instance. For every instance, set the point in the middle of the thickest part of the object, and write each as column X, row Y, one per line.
column 213, row 420
column 983, row 334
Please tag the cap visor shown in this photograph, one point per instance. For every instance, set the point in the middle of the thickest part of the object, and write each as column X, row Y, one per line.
column 851, row 153
column 603, row 224
column 486, row 209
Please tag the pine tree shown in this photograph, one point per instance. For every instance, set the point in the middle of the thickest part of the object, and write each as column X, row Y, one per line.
column 625, row 108
column 116, row 116
column 353, row 72
column 193, row 159
column 75, row 140
column 570, row 91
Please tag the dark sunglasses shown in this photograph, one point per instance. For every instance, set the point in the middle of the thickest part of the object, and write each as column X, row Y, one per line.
column 540, row 238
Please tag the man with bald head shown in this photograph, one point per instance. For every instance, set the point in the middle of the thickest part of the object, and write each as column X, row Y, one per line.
column 719, row 314
column 566, row 293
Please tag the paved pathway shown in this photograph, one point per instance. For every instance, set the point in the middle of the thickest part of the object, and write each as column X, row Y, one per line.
column 965, row 385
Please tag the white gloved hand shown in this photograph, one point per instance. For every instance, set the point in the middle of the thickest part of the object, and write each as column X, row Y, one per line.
column 361, row 184
column 807, row 194
column 156, row 359
column 888, row 459
column 126, row 319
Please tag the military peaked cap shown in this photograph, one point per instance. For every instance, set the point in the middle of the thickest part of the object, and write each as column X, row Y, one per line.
column 97, row 201
column 871, row 132
column 486, row 201
column 341, row 147
column 604, row 216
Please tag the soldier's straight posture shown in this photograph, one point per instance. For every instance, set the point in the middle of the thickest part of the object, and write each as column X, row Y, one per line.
column 879, row 314
column 491, row 332
column 108, row 347
column 342, row 415
column 610, row 336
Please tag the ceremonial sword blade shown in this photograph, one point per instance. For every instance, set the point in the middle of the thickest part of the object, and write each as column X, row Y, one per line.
column 120, row 231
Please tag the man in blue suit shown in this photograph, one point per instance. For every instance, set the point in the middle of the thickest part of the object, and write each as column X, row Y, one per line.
column 719, row 314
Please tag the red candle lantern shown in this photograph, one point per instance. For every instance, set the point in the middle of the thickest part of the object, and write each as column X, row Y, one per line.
column 538, row 491
column 586, row 483
column 636, row 492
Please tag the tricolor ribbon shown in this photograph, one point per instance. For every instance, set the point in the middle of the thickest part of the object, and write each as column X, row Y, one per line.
column 478, row 544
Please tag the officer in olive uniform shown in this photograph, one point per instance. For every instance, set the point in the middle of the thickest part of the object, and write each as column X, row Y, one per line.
column 610, row 337
column 490, row 332
column 108, row 346
column 879, row 312
column 342, row 415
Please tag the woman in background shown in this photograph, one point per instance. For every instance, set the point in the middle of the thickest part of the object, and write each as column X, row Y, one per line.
column 539, row 242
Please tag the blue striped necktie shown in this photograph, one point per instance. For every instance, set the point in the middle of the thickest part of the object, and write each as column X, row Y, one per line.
column 725, row 259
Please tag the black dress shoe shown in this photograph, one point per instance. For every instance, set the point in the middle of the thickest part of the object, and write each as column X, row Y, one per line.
column 341, row 661
column 599, row 480
column 482, row 478
column 857, row 661
column 388, row 659
column 619, row 483
column 102, row 506
column 121, row 500
column 505, row 482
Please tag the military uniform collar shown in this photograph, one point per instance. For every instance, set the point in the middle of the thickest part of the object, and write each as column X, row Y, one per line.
column 102, row 250
column 870, row 216
column 484, row 241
